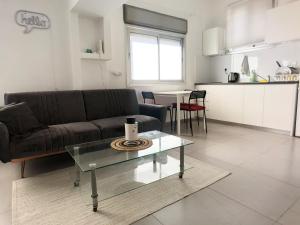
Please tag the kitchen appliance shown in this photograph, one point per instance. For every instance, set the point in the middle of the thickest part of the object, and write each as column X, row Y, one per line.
column 233, row 77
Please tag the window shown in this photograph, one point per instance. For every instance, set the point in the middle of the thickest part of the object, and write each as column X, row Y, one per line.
column 155, row 57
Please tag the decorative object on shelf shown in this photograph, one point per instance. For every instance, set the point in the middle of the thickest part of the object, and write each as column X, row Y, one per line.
column 93, row 55
column 32, row 20
column 131, row 129
column 103, row 50
column 122, row 144
column 100, row 47
column 88, row 50
column 116, row 73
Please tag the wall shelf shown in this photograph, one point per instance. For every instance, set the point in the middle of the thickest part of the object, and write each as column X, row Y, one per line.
column 94, row 55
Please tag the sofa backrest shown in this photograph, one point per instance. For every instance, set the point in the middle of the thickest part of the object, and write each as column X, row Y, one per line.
column 53, row 107
column 101, row 104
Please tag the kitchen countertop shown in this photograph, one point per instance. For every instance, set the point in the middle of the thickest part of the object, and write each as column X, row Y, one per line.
column 249, row 83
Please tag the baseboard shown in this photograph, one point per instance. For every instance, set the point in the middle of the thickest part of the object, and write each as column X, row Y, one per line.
column 276, row 131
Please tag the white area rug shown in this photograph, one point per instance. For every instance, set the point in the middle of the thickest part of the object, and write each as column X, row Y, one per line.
column 50, row 199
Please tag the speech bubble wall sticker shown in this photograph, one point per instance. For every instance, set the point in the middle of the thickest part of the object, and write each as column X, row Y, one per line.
column 32, row 20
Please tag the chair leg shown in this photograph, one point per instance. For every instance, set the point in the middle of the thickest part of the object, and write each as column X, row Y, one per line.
column 171, row 118
column 22, row 168
column 191, row 123
column 198, row 117
column 204, row 121
column 186, row 119
column 175, row 122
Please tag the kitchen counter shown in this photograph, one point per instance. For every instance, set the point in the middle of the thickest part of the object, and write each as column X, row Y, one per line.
column 249, row 83
column 269, row 105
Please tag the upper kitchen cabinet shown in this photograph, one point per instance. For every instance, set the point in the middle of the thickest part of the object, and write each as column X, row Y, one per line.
column 283, row 23
column 246, row 22
column 214, row 42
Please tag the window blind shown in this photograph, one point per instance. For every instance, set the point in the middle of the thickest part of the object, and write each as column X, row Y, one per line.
column 142, row 17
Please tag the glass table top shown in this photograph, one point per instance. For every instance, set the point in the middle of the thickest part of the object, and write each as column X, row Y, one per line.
column 101, row 154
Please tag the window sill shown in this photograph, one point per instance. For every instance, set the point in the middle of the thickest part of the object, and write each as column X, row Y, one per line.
column 156, row 83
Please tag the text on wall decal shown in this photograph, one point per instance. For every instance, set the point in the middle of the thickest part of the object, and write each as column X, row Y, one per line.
column 32, row 20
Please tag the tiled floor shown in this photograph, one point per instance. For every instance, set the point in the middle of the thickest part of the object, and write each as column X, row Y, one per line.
column 264, row 188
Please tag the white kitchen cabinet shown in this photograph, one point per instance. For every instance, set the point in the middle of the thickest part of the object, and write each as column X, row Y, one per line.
column 213, row 41
column 283, row 23
column 253, row 105
column 224, row 102
column 263, row 105
column 213, row 101
column 231, row 100
column 279, row 106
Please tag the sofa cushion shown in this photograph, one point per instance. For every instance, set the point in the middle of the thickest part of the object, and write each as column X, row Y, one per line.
column 54, row 139
column 19, row 119
column 50, row 108
column 102, row 104
column 114, row 127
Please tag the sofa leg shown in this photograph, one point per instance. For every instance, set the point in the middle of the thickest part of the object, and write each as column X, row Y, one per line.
column 22, row 168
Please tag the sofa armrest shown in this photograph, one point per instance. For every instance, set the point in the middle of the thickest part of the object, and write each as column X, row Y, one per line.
column 4, row 143
column 156, row 111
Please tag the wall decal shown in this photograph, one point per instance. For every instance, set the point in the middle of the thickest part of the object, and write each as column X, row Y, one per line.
column 32, row 20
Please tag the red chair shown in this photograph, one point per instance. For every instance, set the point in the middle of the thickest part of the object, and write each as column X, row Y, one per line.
column 193, row 106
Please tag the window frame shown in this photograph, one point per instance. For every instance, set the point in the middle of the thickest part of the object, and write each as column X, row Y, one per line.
column 159, row 34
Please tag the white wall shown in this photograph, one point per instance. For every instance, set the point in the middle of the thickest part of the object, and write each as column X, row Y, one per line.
column 266, row 58
column 42, row 59
column 38, row 60
column 197, row 12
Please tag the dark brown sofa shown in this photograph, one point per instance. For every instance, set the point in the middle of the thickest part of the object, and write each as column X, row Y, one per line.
column 74, row 117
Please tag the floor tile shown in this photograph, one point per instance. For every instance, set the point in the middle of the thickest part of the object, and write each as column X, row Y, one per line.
column 207, row 207
column 5, row 199
column 149, row 220
column 249, row 196
column 234, row 153
column 5, row 218
column 264, row 194
column 286, row 170
column 290, row 218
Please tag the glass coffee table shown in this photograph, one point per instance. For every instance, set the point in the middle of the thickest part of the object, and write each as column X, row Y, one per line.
column 95, row 155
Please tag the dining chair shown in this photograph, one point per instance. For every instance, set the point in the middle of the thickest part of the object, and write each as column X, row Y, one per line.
column 193, row 106
column 148, row 95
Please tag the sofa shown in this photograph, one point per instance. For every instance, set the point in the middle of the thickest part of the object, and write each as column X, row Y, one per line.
column 73, row 117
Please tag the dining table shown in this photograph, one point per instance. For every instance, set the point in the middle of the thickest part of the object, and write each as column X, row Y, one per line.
column 179, row 95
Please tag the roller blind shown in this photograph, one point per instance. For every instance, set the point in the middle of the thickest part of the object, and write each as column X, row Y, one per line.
column 246, row 20
column 145, row 18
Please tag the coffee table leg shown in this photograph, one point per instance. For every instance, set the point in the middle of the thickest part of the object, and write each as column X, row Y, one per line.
column 181, row 162
column 154, row 163
column 77, row 180
column 94, row 187
column 154, row 158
